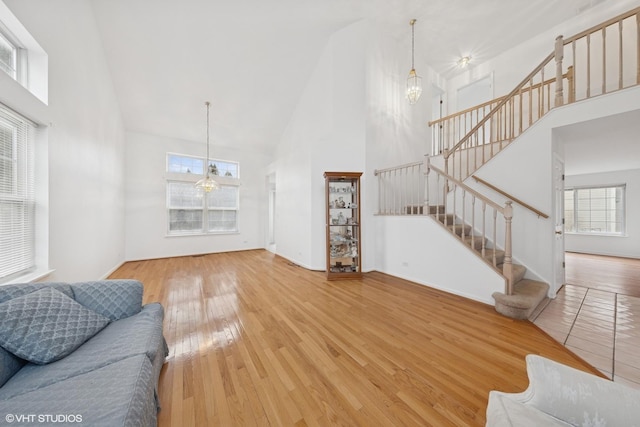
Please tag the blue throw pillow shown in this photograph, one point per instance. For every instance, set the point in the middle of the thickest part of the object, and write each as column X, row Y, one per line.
column 46, row 325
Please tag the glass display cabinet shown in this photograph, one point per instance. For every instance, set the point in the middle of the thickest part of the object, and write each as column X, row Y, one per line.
column 342, row 199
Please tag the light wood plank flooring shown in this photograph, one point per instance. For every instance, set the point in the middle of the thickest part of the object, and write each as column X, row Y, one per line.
column 255, row 340
column 597, row 314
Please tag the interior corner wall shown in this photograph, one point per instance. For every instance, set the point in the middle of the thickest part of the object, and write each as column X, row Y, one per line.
column 86, row 141
column 325, row 133
column 396, row 133
column 627, row 245
column 146, row 195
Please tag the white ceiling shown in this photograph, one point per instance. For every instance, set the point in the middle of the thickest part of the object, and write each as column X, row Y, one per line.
column 252, row 58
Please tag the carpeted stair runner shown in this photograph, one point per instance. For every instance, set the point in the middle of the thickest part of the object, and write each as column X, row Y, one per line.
column 527, row 293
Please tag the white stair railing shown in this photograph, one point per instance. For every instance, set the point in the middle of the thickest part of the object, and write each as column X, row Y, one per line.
column 600, row 60
column 423, row 189
column 473, row 218
column 401, row 190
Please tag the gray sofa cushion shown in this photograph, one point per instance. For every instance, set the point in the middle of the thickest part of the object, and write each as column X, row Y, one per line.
column 46, row 325
column 138, row 334
column 115, row 299
column 8, row 292
column 120, row 394
column 9, row 365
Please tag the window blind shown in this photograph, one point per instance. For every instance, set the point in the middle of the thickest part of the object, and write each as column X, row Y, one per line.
column 17, row 201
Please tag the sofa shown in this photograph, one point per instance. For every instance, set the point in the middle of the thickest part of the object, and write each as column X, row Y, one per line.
column 559, row 395
column 79, row 354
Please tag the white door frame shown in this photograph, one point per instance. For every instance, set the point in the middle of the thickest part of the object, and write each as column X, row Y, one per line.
column 558, row 261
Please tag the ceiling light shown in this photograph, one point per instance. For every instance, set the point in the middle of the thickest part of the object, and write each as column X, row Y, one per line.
column 207, row 183
column 414, row 81
column 464, row 61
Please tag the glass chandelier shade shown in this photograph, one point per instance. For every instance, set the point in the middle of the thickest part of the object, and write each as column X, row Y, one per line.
column 207, row 183
column 414, row 81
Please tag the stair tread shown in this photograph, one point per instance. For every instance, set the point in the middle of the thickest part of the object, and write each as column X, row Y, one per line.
column 527, row 295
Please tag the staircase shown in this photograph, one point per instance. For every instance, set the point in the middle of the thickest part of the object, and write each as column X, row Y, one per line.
column 527, row 294
column 467, row 140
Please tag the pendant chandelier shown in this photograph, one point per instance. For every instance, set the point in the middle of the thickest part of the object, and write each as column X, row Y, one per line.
column 414, row 81
column 207, row 183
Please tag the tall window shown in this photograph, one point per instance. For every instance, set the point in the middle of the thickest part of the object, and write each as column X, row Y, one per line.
column 595, row 210
column 191, row 211
column 17, row 200
column 8, row 56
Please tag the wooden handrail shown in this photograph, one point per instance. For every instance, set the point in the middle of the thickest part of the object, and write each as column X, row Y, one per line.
column 407, row 165
column 511, row 94
column 495, row 100
column 469, row 189
column 510, row 197
column 602, row 25
column 527, row 79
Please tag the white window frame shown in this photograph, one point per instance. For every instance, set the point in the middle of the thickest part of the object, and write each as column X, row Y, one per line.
column 622, row 209
column 20, row 57
column 18, row 239
column 191, row 178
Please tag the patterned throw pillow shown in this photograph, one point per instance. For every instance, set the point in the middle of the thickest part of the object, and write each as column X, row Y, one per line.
column 46, row 325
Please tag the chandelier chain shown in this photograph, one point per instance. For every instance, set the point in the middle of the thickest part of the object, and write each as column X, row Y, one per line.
column 413, row 21
column 208, row 104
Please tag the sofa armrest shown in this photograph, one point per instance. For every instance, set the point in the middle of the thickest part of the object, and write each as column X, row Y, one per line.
column 578, row 397
column 115, row 299
column 503, row 411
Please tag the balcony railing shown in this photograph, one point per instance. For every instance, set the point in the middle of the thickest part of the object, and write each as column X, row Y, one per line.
column 600, row 60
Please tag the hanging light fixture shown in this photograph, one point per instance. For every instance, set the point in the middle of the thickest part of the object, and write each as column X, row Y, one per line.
column 414, row 81
column 207, row 183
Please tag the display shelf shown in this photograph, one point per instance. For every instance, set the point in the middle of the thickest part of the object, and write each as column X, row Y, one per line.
column 343, row 228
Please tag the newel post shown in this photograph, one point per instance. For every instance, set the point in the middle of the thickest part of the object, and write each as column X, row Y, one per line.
column 507, row 268
column 559, row 53
column 427, row 169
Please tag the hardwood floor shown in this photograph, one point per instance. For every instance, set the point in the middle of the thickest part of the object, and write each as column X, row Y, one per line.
column 605, row 273
column 256, row 340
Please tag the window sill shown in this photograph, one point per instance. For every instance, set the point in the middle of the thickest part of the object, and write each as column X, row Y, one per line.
column 217, row 233
column 596, row 234
column 33, row 276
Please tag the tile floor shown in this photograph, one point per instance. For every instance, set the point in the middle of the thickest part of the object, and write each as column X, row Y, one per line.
column 601, row 327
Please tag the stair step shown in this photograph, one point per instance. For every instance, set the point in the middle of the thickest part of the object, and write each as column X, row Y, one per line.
column 477, row 241
column 457, row 228
column 441, row 217
column 518, row 271
column 527, row 295
column 488, row 255
column 419, row 209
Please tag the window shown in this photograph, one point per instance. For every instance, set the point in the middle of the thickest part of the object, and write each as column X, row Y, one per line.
column 17, row 200
column 190, row 211
column 8, row 57
column 595, row 210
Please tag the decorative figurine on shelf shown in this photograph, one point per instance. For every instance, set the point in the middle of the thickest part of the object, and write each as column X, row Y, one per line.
column 340, row 203
column 348, row 234
column 331, row 204
column 341, row 219
column 353, row 251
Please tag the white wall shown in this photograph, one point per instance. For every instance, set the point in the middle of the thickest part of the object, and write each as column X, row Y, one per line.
column 421, row 250
column 396, row 133
column 624, row 246
column 146, row 213
column 524, row 170
column 86, row 141
column 326, row 133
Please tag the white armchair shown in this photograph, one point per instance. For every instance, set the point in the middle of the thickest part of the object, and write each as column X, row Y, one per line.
column 559, row 395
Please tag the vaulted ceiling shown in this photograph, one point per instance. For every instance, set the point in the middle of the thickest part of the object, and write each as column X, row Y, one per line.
column 252, row 58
